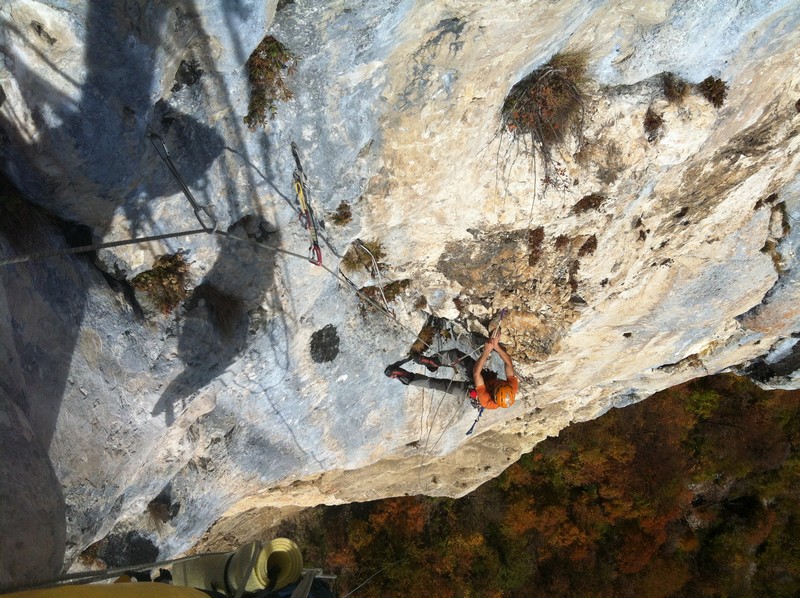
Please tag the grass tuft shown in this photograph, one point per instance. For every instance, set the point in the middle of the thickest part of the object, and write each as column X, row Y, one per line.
column 714, row 90
column 588, row 202
column 267, row 68
column 425, row 337
column 342, row 215
column 535, row 238
column 356, row 258
column 165, row 283
column 589, row 247
column 389, row 291
column 548, row 103
column 675, row 88
column 652, row 123
column 158, row 514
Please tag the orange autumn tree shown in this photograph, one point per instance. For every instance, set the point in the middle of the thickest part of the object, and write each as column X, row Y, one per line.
column 692, row 492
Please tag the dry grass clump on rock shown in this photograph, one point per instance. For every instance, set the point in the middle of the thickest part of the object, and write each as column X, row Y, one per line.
column 267, row 68
column 165, row 283
column 714, row 90
column 675, row 88
column 361, row 254
column 588, row 202
column 548, row 103
column 652, row 123
column 342, row 215
column 389, row 291
column 535, row 239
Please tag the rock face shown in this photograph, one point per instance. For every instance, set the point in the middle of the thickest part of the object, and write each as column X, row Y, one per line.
column 632, row 261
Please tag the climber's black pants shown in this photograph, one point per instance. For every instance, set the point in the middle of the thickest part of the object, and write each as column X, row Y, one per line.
column 461, row 362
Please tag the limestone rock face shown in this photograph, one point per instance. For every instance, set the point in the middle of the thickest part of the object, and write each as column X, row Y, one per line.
column 631, row 262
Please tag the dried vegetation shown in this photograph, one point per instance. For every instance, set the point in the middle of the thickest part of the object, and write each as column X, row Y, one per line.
column 653, row 122
column 714, row 90
column 363, row 254
column 267, row 68
column 548, row 104
column 342, row 215
column 588, row 202
column 165, row 283
column 675, row 88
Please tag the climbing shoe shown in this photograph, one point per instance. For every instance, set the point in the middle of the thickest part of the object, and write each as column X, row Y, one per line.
column 395, row 371
column 432, row 363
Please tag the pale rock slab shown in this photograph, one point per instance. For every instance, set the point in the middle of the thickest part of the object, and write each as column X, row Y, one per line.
column 687, row 267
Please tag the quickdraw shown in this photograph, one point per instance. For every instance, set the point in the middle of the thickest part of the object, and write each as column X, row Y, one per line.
column 198, row 209
column 307, row 218
column 472, row 427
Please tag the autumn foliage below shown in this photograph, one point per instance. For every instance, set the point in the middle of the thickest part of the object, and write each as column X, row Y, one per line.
column 693, row 492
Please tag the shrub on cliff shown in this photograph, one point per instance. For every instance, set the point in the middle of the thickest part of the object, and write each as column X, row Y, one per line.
column 549, row 102
column 165, row 283
column 267, row 68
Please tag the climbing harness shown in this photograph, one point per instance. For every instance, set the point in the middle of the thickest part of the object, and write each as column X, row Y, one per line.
column 307, row 218
column 198, row 209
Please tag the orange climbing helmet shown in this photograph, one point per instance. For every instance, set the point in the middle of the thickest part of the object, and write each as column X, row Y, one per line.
column 504, row 395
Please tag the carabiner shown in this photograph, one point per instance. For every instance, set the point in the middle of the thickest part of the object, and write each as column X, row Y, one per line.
column 315, row 255
column 198, row 209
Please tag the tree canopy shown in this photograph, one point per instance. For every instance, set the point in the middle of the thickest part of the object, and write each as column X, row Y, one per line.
column 695, row 491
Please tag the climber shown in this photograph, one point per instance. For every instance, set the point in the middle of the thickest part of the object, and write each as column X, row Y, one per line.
column 490, row 391
column 494, row 392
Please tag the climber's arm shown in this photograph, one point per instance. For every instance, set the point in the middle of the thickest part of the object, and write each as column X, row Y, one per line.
column 476, row 371
column 509, row 365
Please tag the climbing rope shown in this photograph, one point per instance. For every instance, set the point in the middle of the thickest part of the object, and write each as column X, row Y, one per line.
column 360, row 245
column 211, row 228
column 432, row 418
column 87, row 248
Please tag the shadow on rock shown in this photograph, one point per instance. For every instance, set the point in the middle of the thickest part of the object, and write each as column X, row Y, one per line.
column 34, row 524
column 216, row 320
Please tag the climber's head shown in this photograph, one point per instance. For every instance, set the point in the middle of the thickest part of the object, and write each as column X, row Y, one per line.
column 504, row 395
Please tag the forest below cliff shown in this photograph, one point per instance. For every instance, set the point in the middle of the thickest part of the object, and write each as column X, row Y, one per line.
column 695, row 491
